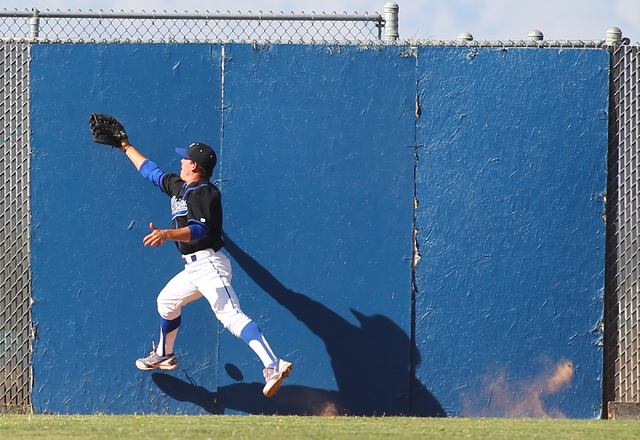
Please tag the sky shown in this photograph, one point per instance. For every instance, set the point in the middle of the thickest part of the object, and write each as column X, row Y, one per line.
column 486, row 20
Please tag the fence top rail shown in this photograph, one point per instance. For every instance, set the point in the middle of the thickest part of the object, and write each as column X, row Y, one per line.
column 410, row 45
column 164, row 15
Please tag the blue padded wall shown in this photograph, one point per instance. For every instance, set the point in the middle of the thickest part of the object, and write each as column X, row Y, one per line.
column 321, row 162
column 314, row 159
column 510, row 185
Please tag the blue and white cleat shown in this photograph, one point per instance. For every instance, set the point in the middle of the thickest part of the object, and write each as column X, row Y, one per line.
column 274, row 375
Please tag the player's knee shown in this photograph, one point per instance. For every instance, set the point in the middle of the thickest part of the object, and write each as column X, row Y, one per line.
column 235, row 322
column 167, row 310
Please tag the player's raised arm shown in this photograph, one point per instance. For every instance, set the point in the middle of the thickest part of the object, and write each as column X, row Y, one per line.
column 134, row 155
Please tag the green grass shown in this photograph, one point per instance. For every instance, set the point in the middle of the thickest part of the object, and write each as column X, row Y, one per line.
column 286, row 428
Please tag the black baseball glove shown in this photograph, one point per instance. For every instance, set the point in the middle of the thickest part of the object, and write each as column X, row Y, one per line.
column 107, row 130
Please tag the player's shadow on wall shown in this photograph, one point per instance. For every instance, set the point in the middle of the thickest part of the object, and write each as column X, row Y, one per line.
column 369, row 361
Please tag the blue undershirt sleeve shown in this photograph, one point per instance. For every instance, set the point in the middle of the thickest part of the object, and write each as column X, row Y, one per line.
column 151, row 172
column 198, row 231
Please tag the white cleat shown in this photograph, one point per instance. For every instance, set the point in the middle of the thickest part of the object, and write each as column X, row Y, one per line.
column 274, row 375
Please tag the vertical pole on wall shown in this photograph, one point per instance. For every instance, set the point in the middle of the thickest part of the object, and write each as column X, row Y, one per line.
column 34, row 25
column 391, row 21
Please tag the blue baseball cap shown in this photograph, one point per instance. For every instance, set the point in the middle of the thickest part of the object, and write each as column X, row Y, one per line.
column 200, row 153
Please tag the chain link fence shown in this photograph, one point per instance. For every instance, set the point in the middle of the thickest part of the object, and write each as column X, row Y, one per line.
column 20, row 29
column 15, row 298
column 623, row 262
column 202, row 27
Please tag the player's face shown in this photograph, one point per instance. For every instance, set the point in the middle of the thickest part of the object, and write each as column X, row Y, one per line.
column 186, row 168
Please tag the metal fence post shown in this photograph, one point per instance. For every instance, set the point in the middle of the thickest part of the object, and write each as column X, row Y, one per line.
column 34, row 24
column 535, row 35
column 613, row 36
column 391, row 21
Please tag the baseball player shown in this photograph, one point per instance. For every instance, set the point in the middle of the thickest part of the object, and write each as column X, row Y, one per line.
column 196, row 214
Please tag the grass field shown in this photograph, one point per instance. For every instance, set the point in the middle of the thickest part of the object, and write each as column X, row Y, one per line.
column 286, row 427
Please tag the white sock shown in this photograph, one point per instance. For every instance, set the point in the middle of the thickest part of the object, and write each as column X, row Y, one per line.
column 165, row 346
column 264, row 352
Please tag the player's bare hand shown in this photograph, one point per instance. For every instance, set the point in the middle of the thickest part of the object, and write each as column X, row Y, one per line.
column 156, row 238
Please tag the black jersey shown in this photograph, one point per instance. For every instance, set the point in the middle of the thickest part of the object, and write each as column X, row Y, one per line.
column 197, row 204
